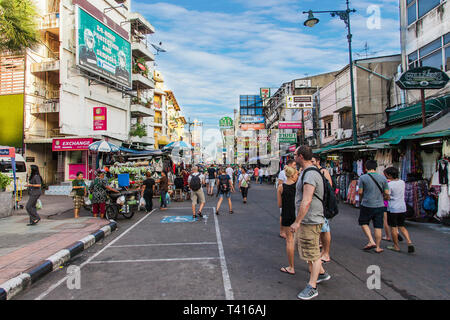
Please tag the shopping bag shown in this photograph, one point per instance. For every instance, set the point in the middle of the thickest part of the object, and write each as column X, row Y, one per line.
column 87, row 201
column 39, row 204
column 142, row 203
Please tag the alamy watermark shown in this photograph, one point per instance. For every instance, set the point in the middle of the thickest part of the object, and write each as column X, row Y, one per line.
column 374, row 20
column 74, row 277
column 374, row 280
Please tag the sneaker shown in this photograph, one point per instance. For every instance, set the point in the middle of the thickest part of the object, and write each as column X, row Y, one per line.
column 308, row 293
column 323, row 277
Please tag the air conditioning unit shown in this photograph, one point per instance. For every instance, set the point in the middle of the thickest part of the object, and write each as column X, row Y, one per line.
column 339, row 134
column 348, row 133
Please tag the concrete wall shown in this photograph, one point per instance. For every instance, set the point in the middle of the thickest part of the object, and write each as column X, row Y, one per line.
column 327, row 108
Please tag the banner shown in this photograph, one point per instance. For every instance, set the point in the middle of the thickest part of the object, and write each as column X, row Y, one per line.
column 258, row 126
column 252, row 119
column 289, row 125
column 71, row 144
column 101, row 50
column 100, row 116
column 288, row 138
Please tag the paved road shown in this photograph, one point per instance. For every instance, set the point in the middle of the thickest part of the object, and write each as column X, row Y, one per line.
column 239, row 256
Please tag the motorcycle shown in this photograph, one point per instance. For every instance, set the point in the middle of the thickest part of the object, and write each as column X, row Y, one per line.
column 125, row 203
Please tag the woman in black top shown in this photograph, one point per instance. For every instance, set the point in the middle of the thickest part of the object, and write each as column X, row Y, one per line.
column 34, row 192
column 148, row 186
column 286, row 201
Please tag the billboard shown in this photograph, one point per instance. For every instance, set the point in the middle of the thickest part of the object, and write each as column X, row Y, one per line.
column 299, row 102
column 252, row 119
column 11, row 120
column 100, row 118
column 289, row 125
column 101, row 50
column 259, row 126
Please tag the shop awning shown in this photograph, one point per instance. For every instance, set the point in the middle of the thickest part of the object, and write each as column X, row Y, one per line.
column 396, row 135
column 333, row 147
column 432, row 106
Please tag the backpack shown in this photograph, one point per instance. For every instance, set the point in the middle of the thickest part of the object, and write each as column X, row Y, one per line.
column 224, row 186
column 195, row 183
column 329, row 201
column 429, row 204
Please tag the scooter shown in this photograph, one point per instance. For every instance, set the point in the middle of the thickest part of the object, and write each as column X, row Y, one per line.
column 125, row 203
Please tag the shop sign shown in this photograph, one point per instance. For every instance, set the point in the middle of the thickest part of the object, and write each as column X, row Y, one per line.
column 423, row 78
column 289, row 125
column 292, row 148
column 100, row 114
column 7, row 152
column 299, row 102
column 225, row 122
column 74, row 169
column 71, row 144
column 258, row 126
column 298, row 84
column 252, row 119
column 288, row 137
column 265, row 93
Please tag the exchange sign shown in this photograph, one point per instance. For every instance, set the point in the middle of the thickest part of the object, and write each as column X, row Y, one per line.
column 101, row 50
column 299, row 102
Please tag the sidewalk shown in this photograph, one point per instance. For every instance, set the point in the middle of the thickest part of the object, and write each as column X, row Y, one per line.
column 23, row 247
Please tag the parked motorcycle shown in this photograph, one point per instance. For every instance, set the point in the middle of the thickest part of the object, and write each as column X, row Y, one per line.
column 124, row 203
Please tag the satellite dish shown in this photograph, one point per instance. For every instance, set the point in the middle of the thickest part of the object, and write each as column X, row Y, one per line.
column 158, row 48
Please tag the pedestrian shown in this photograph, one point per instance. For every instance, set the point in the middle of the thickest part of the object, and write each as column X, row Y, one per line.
column 286, row 203
column 256, row 174
column 310, row 220
column 212, row 174
column 244, row 183
column 282, row 179
column 196, row 180
column 164, row 189
column 98, row 189
column 397, row 209
column 224, row 189
column 325, row 233
column 34, row 191
column 261, row 175
column 148, row 189
column 373, row 190
column 80, row 191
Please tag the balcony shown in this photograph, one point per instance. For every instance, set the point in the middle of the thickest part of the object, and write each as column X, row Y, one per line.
column 157, row 122
column 141, row 50
column 46, row 107
column 142, row 82
column 139, row 24
column 50, row 23
column 139, row 110
column 149, row 140
column 51, row 65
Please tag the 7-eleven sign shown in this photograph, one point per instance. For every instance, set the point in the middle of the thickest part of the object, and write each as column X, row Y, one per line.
column 265, row 93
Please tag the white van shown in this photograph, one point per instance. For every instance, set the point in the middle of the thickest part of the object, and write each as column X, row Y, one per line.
column 21, row 172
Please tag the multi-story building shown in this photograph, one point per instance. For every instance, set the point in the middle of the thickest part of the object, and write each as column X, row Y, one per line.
column 175, row 118
column 89, row 79
column 160, row 119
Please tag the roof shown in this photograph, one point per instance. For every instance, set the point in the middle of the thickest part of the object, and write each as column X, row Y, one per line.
column 438, row 125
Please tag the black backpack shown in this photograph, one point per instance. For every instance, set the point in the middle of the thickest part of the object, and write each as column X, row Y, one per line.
column 195, row 183
column 329, row 201
column 224, row 185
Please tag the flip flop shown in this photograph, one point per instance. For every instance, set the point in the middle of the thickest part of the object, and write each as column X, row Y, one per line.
column 325, row 261
column 392, row 248
column 389, row 240
column 284, row 270
column 378, row 251
column 366, row 248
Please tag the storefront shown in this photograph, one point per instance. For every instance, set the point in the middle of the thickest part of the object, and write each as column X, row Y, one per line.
column 73, row 156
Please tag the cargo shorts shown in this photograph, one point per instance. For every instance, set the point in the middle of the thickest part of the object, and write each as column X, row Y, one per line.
column 307, row 239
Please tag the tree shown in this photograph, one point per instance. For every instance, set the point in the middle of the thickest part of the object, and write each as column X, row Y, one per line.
column 18, row 25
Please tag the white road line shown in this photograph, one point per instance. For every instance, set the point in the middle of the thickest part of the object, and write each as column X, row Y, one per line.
column 154, row 260
column 226, row 277
column 164, row 244
column 53, row 287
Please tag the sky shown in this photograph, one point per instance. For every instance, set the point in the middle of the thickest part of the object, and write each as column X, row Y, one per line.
column 220, row 49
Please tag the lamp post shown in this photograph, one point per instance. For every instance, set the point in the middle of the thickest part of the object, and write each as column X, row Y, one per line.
column 345, row 16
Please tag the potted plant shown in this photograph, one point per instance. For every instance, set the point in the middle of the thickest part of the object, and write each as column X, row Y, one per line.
column 138, row 130
column 6, row 199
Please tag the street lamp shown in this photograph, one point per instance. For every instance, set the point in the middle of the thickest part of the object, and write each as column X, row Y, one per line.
column 345, row 16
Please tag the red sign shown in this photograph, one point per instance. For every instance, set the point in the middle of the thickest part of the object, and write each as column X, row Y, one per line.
column 289, row 125
column 252, row 126
column 141, row 66
column 71, row 144
column 74, row 169
column 100, row 118
column 292, row 148
column 7, row 152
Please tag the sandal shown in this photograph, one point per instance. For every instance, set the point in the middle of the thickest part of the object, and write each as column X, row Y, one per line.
column 366, row 248
column 381, row 250
column 231, row 212
column 392, row 248
column 284, row 270
column 200, row 214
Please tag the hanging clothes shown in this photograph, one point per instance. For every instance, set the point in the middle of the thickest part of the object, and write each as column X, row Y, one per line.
column 446, row 149
column 429, row 162
column 443, row 203
column 360, row 169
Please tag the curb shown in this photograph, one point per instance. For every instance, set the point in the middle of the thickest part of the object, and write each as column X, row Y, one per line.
column 13, row 286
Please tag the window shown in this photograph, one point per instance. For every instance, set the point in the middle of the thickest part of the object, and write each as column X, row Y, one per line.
column 447, row 58
column 327, row 131
column 436, row 44
column 346, row 120
column 412, row 60
column 418, row 8
column 447, row 38
column 432, row 55
column 412, row 13
column 426, row 6
column 433, row 60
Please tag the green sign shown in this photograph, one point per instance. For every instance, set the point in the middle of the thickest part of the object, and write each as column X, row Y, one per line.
column 288, row 137
column 264, row 93
column 226, row 122
column 102, row 51
column 423, row 78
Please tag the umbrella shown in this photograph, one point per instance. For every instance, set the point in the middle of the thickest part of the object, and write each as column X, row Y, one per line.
column 177, row 144
column 103, row 146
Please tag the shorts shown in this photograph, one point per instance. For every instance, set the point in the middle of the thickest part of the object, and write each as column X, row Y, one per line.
column 371, row 214
column 307, row 239
column 226, row 194
column 78, row 202
column 326, row 226
column 197, row 194
column 211, row 182
column 396, row 219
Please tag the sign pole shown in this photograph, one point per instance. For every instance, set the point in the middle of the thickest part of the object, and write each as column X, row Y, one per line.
column 422, row 96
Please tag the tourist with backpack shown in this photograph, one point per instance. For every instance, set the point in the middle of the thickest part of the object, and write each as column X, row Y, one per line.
column 312, row 202
column 196, row 180
column 244, row 184
column 224, row 189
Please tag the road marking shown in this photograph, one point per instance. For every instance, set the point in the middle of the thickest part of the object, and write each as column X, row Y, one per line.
column 53, row 287
column 154, row 260
column 164, row 244
column 223, row 263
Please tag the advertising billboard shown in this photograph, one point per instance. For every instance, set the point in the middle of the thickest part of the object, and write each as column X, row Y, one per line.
column 299, row 102
column 100, row 118
column 252, row 119
column 102, row 51
column 71, row 144
column 11, row 120
column 289, row 125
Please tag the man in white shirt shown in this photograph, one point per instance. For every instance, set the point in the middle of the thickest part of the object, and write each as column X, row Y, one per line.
column 230, row 172
column 197, row 191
